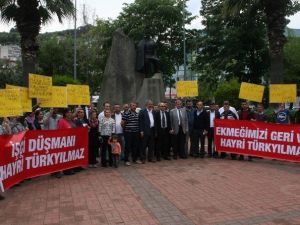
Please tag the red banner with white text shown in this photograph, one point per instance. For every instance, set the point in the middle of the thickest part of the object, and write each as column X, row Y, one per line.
column 34, row 153
column 274, row 141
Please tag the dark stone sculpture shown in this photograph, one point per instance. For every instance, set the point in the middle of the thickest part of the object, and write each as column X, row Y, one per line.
column 122, row 83
column 147, row 61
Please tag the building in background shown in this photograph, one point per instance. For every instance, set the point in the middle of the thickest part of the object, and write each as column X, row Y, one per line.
column 10, row 53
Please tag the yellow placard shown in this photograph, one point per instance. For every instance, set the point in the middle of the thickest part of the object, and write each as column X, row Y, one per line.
column 40, row 86
column 281, row 93
column 187, row 88
column 26, row 102
column 251, row 92
column 57, row 100
column 10, row 102
column 78, row 94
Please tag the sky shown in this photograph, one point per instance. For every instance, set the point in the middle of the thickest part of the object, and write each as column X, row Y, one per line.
column 111, row 9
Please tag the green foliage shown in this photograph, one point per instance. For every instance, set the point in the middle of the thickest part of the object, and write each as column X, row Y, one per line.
column 273, row 14
column 28, row 16
column 231, row 46
column 292, row 60
column 63, row 80
column 11, row 38
column 93, row 46
column 55, row 55
column 228, row 90
column 10, row 74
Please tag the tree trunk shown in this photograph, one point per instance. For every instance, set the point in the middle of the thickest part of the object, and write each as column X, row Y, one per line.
column 276, row 23
column 28, row 24
column 29, row 58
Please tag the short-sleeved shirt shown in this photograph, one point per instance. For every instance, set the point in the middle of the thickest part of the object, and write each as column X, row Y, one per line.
column 131, row 122
column 229, row 115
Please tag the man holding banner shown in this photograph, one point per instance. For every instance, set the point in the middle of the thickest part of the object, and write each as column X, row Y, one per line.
column 282, row 115
column 246, row 114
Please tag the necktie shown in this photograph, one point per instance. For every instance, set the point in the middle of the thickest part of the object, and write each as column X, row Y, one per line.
column 180, row 117
column 163, row 120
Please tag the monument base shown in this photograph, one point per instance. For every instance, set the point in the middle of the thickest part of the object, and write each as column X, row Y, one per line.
column 152, row 88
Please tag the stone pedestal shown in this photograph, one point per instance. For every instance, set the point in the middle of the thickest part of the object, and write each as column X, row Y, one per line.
column 152, row 88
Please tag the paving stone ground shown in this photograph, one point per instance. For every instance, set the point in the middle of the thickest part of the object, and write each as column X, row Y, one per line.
column 177, row 192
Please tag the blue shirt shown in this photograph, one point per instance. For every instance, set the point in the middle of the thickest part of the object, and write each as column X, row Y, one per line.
column 282, row 117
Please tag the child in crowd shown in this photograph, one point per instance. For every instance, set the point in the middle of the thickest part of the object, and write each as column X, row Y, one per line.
column 115, row 150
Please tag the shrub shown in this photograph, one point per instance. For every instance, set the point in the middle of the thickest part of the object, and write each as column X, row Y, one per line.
column 229, row 90
column 63, row 80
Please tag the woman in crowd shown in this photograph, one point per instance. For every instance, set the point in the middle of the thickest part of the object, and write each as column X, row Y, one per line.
column 106, row 129
column 11, row 126
column 66, row 123
column 4, row 130
column 39, row 120
column 93, row 139
column 29, row 121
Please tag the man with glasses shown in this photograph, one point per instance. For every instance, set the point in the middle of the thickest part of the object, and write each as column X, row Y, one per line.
column 246, row 114
column 162, row 118
column 179, row 128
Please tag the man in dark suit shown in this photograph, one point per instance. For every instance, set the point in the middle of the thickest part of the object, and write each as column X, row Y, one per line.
column 213, row 114
column 179, row 128
column 200, row 129
column 162, row 132
column 147, row 131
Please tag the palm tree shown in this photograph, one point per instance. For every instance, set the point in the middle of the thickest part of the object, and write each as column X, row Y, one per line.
column 29, row 15
column 275, row 12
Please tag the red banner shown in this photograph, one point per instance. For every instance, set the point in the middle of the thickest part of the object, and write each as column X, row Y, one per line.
column 35, row 153
column 260, row 139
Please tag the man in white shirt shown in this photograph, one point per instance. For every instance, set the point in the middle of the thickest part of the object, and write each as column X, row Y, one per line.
column 147, row 130
column 213, row 114
column 117, row 116
column 232, row 109
column 106, row 106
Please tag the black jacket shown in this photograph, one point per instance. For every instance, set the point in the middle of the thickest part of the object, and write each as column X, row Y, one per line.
column 144, row 121
column 201, row 121
column 157, row 119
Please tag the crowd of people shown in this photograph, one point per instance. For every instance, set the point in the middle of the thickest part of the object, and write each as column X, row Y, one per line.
column 154, row 133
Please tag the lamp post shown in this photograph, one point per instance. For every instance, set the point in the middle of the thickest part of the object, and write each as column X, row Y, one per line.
column 184, row 42
column 75, row 41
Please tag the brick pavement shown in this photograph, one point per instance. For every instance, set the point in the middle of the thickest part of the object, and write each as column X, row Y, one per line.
column 193, row 191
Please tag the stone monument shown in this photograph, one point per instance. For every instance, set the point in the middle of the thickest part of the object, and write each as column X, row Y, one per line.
column 126, row 77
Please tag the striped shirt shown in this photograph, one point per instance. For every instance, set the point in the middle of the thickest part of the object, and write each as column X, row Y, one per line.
column 131, row 122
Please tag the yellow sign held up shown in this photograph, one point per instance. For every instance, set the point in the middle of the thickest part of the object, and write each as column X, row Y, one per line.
column 26, row 102
column 281, row 93
column 57, row 100
column 40, row 86
column 251, row 92
column 187, row 88
column 10, row 102
column 78, row 94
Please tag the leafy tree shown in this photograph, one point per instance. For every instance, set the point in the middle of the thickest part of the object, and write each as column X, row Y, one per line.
column 292, row 60
column 10, row 74
column 228, row 90
column 55, row 55
column 163, row 21
column 93, row 51
column 63, row 80
column 231, row 46
column 274, row 13
column 11, row 38
column 29, row 15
